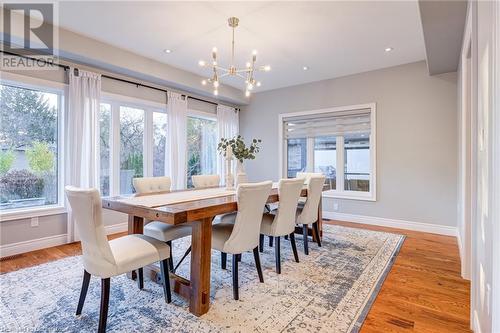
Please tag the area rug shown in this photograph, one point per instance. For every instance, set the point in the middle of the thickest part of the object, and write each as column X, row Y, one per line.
column 331, row 290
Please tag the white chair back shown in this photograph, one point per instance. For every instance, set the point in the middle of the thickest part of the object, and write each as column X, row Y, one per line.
column 87, row 212
column 308, row 175
column 251, row 199
column 203, row 181
column 309, row 213
column 289, row 194
column 151, row 184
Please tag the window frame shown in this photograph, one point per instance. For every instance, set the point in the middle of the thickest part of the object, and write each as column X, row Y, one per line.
column 339, row 192
column 116, row 101
column 61, row 90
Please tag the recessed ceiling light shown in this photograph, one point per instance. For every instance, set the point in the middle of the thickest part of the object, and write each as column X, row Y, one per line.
column 167, row 51
column 388, row 49
column 305, row 68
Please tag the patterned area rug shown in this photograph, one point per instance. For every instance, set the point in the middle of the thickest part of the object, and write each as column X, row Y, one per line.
column 331, row 290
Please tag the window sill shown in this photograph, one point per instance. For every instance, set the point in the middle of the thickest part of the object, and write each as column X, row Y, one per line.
column 26, row 213
column 350, row 195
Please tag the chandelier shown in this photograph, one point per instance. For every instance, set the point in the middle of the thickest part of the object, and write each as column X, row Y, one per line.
column 246, row 73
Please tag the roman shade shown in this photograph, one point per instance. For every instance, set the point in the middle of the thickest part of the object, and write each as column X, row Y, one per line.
column 328, row 123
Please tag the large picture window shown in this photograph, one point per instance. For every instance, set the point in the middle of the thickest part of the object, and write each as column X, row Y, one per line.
column 201, row 147
column 338, row 142
column 29, row 146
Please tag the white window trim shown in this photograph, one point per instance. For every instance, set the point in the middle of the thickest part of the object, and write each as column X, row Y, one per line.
column 61, row 89
column 342, row 194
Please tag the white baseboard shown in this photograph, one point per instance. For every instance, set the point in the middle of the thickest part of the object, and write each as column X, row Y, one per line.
column 32, row 245
column 116, row 228
column 393, row 223
column 50, row 241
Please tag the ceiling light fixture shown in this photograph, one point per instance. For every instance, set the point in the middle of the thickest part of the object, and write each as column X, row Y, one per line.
column 305, row 68
column 167, row 51
column 246, row 73
column 388, row 49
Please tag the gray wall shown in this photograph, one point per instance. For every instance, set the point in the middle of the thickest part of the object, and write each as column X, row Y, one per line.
column 416, row 138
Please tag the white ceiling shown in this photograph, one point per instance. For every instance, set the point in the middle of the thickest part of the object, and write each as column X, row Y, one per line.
column 332, row 38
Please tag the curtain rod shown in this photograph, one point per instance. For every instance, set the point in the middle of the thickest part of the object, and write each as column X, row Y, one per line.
column 138, row 84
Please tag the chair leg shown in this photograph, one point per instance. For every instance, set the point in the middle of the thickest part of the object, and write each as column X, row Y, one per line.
column 171, row 261
column 182, row 259
column 236, row 295
column 103, row 317
column 277, row 254
column 261, row 243
column 294, row 247
column 140, row 278
column 256, row 257
column 316, row 232
column 305, row 231
column 223, row 260
column 83, row 292
column 164, row 267
column 270, row 241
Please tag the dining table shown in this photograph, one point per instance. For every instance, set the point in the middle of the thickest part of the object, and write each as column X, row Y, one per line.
column 198, row 208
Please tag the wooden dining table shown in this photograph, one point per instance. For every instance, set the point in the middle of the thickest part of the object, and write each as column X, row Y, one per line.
column 198, row 208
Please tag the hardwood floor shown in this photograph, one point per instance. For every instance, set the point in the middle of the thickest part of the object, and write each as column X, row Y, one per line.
column 423, row 292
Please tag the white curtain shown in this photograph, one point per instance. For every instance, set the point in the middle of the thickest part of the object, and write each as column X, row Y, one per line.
column 175, row 161
column 228, row 127
column 82, row 134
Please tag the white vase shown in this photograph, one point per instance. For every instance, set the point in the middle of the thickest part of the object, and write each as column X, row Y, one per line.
column 241, row 176
column 229, row 179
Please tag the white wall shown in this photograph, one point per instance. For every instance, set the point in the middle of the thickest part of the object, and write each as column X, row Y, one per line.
column 416, row 140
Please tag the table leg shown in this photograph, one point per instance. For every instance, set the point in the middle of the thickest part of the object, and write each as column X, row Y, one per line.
column 200, row 266
column 135, row 226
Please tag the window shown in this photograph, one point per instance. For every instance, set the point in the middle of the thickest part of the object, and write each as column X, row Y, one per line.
column 325, row 158
column 338, row 142
column 132, row 142
column 29, row 146
column 201, row 146
column 159, row 143
column 131, row 147
column 104, row 149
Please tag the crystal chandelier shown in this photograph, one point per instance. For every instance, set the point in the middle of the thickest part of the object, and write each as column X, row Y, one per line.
column 246, row 73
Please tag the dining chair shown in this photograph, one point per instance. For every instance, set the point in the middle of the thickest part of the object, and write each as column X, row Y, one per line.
column 204, row 181
column 242, row 235
column 282, row 222
column 106, row 259
column 307, row 176
column 308, row 214
column 159, row 230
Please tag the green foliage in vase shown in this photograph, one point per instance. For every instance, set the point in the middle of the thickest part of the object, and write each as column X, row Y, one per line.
column 40, row 157
column 6, row 160
column 240, row 151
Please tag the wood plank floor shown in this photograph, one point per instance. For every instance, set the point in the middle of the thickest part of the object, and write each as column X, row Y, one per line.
column 423, row 292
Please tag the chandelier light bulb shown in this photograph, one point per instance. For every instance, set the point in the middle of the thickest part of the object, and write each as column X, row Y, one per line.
column 267, row 68
column 216, row 84
column 248, row 65
column 214, row 49
column 258, row 83
column 250, row 86
column 247, row 93
column 216, row 92
column 254, row 52
column 202, row 63
column 204, row 82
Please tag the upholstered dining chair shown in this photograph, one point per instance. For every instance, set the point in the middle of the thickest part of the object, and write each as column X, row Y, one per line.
column 242, row 235
column 106, row 259
column 282, row 222
column 204, row 181
column 308, row 214
column 159, row 230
